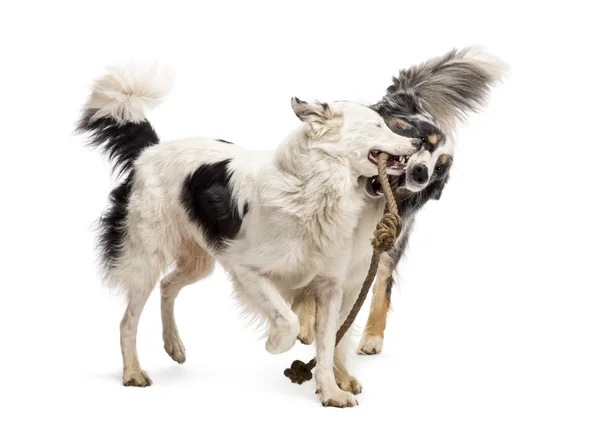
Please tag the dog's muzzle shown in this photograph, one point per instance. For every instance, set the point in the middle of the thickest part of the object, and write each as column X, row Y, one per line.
column 419, row 173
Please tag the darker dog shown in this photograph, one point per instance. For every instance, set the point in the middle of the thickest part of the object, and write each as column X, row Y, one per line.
column 426, row 101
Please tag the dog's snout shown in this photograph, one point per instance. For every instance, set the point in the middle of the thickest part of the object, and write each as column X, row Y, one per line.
column 420, row 173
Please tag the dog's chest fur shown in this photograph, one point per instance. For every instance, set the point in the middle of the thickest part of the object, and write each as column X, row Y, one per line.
column 313, row 227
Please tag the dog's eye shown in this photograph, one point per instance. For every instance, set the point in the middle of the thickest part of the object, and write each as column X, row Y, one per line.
column 439, row 169
column 423, row 140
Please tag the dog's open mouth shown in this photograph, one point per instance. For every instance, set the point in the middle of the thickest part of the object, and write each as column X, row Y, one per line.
column 395, row 163
column 373, row 185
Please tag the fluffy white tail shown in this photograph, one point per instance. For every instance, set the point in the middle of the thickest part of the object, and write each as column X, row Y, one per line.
column 125, row 93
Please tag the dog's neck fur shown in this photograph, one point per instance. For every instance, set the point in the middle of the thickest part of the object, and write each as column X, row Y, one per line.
column 319, row 189
column 409, row 203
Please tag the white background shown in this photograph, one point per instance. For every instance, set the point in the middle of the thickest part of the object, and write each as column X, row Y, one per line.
column 497, row 318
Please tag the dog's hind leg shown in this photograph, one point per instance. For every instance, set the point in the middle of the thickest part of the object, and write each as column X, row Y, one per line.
column 305, row 307
column 142, row 275
column 133, row 375
column 138, row 270
column 193, row 264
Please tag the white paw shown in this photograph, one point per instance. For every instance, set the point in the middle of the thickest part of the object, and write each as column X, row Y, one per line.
column 370, row 344
column 350, row 384
column 136, row 378
column 174, row 347
column 283, row 337
column 335, row 397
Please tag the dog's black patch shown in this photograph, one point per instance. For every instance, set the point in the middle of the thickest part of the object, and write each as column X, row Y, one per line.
column 123, row 143
column 398, row 251
column 413, row 127
column 431, row 136
column 224, row 141
column 209, row 202
column 389, row 283
column 112, row 224
column 437, row 186
column 396, row 102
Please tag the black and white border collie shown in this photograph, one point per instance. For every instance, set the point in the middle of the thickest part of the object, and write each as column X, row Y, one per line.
column 279, row 222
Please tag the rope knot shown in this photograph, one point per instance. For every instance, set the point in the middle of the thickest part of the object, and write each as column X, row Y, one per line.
column 388, row 229
column 300, row 372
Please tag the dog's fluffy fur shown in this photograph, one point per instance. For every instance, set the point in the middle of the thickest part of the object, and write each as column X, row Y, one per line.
column 424, row 101
column 279, row 223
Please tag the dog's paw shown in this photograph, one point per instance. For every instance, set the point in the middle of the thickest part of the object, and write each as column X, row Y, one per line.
column 174, row 347
column 370, row 344
column 349, row 384
column 136, row 378
column 307, row 334
column 282, row 338
column 336, row 398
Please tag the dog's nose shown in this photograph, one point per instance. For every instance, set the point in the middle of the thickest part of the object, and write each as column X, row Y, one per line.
column 419, row 173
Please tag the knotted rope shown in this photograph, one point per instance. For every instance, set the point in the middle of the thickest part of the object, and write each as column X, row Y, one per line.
column 385, row 235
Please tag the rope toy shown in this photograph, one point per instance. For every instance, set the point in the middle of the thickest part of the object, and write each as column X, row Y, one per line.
column 385, row 235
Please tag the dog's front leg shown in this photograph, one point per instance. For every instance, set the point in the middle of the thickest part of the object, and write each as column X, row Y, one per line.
column 329, row 301
column 258, row 290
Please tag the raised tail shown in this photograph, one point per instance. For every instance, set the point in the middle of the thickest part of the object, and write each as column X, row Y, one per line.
column 115, row 113
column 115, row 119
column 450, row 86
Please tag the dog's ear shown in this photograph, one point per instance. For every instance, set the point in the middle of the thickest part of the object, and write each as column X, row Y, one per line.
column 450, row 86
column 401, row 126
column 438, row 188
column 311, row 112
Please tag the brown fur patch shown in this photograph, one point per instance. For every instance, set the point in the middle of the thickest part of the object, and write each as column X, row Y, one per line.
column 397, row 123
column 305, row 307
column 379, row 305
column 194, row 260
column 434, row 139
column 444, row 159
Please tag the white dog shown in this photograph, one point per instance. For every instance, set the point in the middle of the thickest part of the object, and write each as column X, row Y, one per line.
column 277, row 222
